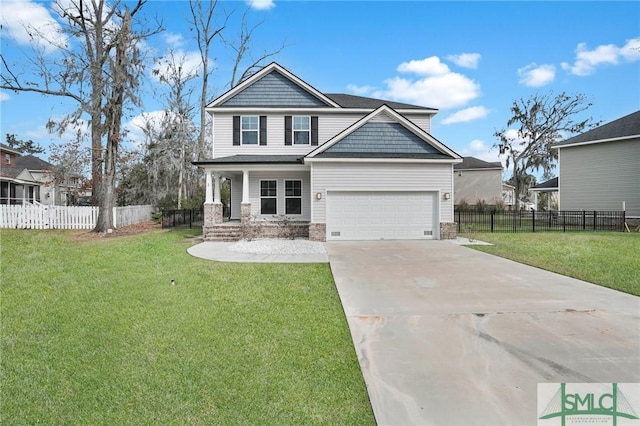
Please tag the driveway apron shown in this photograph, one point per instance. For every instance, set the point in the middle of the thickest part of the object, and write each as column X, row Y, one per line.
column 446, row 335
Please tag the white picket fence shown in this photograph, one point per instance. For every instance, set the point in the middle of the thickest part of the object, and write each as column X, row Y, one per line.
column 61, row 217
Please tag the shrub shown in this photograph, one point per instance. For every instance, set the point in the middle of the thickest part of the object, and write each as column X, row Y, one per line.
column 462, row 206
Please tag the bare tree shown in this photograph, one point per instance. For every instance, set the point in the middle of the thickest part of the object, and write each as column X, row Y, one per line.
column 242, row 48
column 541, row 121
column 98, row 68
column 206, row 29
column 209, row 25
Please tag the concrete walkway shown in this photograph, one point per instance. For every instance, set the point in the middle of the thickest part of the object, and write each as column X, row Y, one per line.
column 446, row 335
column 220, row 251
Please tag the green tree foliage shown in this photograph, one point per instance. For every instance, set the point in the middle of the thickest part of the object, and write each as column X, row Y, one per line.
column 25, row 147
column 538, row 123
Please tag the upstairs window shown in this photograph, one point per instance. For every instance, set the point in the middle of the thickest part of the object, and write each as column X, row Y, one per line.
column 293, row 196
column 301, row 130
column 268, row 197
column 249, row 129
column 7, row 159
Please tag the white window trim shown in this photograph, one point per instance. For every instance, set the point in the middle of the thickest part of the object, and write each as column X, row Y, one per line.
column 292, row 196
column 275, row 197
column 257, row 130
column 293, row 130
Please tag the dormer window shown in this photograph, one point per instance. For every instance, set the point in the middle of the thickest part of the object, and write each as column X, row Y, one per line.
column 301, row 129
column 249, row 129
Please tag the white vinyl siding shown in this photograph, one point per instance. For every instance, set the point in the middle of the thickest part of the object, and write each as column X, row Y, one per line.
column 354, row 176
column 280, row 177
column 601, row 176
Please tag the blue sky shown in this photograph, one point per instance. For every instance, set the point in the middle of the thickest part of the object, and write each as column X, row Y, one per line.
column 468, row 59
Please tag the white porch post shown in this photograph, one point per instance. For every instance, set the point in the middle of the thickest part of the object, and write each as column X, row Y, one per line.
column 208, row 188
column 245, row 186
column 216, row 189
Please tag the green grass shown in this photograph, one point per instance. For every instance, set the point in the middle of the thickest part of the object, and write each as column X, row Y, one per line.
column 610, row 259
column 92, row 332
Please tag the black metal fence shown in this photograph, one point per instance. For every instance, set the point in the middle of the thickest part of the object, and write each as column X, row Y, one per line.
column 539, row 221
column 184, row 217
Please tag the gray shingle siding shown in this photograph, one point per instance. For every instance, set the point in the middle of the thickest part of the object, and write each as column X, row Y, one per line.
column 383, row 138
column 601, row 177
column 274, row 90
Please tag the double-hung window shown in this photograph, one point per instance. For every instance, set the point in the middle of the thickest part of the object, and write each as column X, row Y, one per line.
column 301, row 129
column 293, row 196
column 249, row 129
column 268, row 197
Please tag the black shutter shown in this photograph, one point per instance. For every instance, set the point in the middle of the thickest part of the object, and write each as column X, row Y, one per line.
column 288, row 134
column 314, row 130
column 263, row 130
column 236, row 130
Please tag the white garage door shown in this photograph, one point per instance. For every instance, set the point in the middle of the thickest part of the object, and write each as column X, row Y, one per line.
column 380, row 215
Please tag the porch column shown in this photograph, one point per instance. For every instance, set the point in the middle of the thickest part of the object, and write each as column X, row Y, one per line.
column 245, row 206
column 208, row 188
column 216, row 192
column 245, row 186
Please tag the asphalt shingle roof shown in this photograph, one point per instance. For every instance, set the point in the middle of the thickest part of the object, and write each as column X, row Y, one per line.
column 476, row 163
column 550, row 184
column 32, row 163
column 629, row 125
column 353, row 101
column 254, row 159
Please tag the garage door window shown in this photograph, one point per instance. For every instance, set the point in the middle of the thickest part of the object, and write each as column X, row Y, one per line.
column 268, row 197
column 293, row 196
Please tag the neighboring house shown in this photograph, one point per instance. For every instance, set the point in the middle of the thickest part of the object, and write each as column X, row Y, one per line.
column 548, row 187
column 600, row 169
column 508, row 195
column 28, row 180
column 477, row 180
column 17, row 185
column 337, row 167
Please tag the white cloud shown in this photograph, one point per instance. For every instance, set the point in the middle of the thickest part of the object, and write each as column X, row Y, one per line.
column 588, row 60
column 534, row 75
column 434, row 85
column 174, row 40
column 30, row 22
column 428, row 66
column 261, row 4
column 191, row 62
column 465, row 60
column 4, row 96
column 467, row 114
column 135, row 128
column 449, row 90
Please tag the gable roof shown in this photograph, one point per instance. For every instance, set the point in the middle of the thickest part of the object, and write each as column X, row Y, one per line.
column 626, row 127
column 401, row 138
column 281, row 75
column 473, row 163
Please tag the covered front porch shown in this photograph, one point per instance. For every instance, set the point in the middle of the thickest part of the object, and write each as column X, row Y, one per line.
column 269, row 197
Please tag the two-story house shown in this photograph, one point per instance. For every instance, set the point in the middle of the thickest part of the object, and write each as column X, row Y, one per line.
column 336, row 166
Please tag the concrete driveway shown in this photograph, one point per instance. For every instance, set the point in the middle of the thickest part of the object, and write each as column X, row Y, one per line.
column 446, row 335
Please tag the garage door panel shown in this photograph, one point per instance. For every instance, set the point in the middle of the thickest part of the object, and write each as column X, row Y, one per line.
column 380, row 215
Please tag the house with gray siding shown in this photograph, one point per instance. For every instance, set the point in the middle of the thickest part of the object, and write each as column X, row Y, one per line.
column 477, row 180
column 600, row 169
column 324, row 166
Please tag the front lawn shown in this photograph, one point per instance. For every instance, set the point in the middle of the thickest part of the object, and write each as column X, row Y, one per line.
column 93, row 332
column 610, row 259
